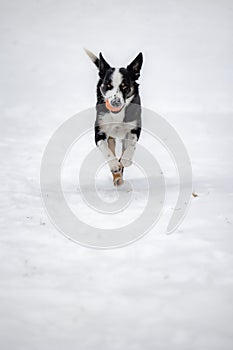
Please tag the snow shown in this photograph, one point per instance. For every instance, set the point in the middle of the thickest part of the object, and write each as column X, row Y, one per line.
column 163, row 291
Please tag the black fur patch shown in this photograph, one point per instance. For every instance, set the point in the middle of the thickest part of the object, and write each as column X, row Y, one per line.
column 137, row 132
column 99, row 135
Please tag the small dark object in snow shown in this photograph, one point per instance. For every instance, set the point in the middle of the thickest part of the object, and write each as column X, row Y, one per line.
column 194, row 194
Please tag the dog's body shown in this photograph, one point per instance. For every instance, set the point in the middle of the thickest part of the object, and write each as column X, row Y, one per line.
column 118, row 112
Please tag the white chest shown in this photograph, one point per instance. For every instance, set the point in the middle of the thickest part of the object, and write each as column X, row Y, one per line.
column 113, row 125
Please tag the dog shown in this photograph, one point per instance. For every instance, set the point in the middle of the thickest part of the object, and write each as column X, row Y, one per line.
column 118, row 112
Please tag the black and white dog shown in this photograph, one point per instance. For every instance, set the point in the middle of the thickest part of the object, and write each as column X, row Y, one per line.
column 118, row 112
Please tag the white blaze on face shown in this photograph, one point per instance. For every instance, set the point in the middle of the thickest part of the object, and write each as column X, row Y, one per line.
column 116, row 82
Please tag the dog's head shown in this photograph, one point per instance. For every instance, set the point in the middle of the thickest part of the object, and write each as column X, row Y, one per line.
column 117, row 85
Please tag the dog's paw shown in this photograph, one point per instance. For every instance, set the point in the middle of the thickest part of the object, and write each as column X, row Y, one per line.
column 117, row 179
column 125, row 162
column 115, row 166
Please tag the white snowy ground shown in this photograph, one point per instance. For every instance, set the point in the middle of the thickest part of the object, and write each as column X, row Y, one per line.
column 162, row 292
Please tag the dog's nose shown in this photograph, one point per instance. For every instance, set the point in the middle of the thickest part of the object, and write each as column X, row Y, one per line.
column 116, row 102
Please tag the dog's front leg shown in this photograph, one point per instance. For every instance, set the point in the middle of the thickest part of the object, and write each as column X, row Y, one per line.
column 129, row 146
column 109, row 155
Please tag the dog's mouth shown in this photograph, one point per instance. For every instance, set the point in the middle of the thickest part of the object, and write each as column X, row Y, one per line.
column 111, row 108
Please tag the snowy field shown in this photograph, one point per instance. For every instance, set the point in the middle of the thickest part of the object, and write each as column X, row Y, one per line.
column 163, row 291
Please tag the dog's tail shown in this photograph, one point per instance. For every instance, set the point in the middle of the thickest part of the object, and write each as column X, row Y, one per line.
column 93, row 57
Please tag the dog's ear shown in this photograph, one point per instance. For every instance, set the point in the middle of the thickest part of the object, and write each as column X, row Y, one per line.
column 135, row 66
column 103, row 66
column 93, row 57
column 100, row 62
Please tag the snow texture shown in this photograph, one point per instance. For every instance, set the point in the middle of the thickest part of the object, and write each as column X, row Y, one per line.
column 164, row 291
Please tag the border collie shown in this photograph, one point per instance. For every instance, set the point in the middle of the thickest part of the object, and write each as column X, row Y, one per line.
column 118, row 110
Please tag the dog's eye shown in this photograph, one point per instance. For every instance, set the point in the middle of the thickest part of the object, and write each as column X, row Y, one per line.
column 109, row 86
column 124, row 86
